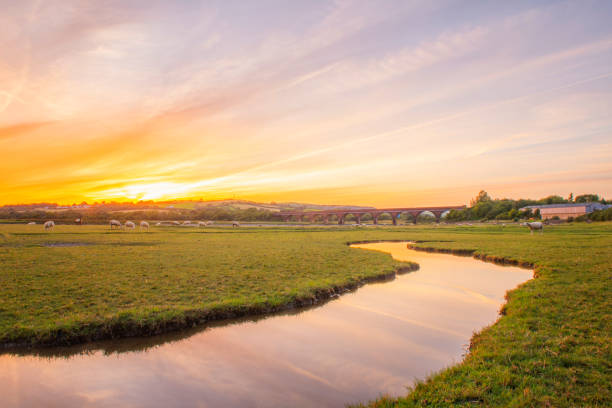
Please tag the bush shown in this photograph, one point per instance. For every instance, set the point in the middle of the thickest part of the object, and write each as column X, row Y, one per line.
column 601, row 215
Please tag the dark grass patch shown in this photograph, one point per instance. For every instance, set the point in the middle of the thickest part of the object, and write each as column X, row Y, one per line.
column 146, row 243
column 66, row 244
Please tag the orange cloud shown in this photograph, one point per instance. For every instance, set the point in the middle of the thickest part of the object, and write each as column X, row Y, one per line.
column 8, row 132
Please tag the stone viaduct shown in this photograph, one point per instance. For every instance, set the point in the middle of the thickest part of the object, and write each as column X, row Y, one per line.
column 374, row 212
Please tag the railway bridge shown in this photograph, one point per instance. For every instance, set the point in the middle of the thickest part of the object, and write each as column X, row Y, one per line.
column 325, row 215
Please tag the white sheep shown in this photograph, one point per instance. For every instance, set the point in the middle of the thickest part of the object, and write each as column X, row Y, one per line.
column 175, row 222
column 202, row 224
column 31, row 223
column 49, row 225
column 235, row 224
column 115, row 223
column 534, row 226
column 129, row 225
column 186, row 222
column 144, row 225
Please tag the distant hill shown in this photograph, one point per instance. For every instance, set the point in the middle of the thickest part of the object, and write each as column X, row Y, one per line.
column 244, row 205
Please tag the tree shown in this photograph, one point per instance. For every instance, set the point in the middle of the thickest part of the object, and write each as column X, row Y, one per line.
column 570, row 198
column 553, row 199
column 482, row 197
column 587, row 198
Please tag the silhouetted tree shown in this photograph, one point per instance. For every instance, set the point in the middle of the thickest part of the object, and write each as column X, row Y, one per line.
column 587, row 198
column 482, row 197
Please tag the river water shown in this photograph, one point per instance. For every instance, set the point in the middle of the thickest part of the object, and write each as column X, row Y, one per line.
column 374, row 341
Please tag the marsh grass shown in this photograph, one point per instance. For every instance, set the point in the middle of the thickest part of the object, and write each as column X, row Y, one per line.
column 551, row 348
column 82, row 283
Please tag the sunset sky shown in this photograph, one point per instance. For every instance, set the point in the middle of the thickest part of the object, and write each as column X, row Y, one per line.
column 369, row 103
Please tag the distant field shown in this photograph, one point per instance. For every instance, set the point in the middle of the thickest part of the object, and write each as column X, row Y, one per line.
column 552, row 348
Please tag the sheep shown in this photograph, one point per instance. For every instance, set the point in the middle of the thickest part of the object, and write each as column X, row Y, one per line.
column 202, row 224
column 78, row 221
column 158, row 224
column 534, row 226
column 144, row 224
column 186, row 222
column 129, row 224
column 49, row 225
column 175, row 222
column 31, row 223
column 235, row 224
column 115, row 223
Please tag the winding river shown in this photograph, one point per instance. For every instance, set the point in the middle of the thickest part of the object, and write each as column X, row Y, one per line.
column 374, row 341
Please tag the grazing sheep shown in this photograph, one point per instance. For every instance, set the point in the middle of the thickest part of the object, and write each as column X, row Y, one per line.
column 129, row 225
column 158, row 224
column 202, row 224
column 235, row 224
column 49, row 225
column 176, row 222
column 186, row 222
column 144, row 225
column 115, row 223
column 31, row 223
column 534, row 226
column 210, row 222
column 78, row 221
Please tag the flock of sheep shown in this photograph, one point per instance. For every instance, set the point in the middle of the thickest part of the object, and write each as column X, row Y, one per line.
column 129, row 225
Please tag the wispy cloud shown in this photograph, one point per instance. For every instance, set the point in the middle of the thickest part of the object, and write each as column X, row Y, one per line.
column 158, row 99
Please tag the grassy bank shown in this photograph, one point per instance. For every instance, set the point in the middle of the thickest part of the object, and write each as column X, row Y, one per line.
column 551, row 348
column 78, row 284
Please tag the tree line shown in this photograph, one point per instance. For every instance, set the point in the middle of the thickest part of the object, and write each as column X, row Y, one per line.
column 483, row 207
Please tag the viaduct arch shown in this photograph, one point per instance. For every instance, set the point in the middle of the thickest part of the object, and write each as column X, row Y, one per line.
column 374, row 213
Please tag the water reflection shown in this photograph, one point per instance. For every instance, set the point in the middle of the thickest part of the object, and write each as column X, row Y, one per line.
column 370, row 342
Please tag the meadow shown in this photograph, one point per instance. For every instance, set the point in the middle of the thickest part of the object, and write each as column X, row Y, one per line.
column 551, row 348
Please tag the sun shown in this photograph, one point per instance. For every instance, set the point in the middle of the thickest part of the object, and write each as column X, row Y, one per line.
column 145, row 191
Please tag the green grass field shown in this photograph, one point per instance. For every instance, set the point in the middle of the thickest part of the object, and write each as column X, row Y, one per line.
column 551, row 348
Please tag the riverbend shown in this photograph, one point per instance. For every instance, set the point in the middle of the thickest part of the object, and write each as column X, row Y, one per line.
column 374, row 341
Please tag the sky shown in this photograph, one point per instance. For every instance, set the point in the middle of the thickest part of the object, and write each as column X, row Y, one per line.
column 387, row 103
